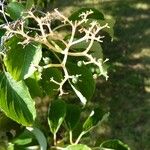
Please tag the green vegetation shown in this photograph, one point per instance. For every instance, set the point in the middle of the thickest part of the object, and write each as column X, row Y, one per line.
column 48, row 65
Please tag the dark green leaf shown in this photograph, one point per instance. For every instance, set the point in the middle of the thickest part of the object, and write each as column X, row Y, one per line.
column 72, row 116
column 20, row 62
column 56, row 115
column 114, row 145
column 95, row 15
column 77, row 147
column 50, row 87
column 85, row 84
column 33, row 85
column 15, row 100
column 96, row 116
column 15, row 10
column 111, row 22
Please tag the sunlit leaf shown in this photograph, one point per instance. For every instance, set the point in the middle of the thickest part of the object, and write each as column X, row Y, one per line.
column 77, row 147
column 15, row 9
column 15, row 100
column 20, row 62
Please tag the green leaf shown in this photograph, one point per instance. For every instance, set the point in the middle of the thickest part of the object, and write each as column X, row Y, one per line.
column 33, row 85
column 111, row 22
column 72, row 116
column 77, row 147
column 50, row 87
column 85, row 86
column 96, row 116
column 15, row 9
column 56, row 115
column 95, row 15
column 113, row 145
column 96, row 49
column 15, row 100
column 29, row 4
column 39, row 136
column 20, row 62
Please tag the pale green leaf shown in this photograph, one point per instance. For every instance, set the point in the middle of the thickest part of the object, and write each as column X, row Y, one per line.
column 77, row 147
column 39, row 136
column 15, row 9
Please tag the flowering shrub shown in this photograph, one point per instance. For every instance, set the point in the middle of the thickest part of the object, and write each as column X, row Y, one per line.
column 49, row 54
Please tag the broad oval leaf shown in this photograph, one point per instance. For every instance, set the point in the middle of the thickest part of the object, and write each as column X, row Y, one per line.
column 77, row 147
column 95, row 15
column 15, row 9
column 20, row 62
column 96, row 116
column 85, row 85
column 56, row 115
column 114, row 145
column 49, row 87
column 72, row 116
column 15, row 100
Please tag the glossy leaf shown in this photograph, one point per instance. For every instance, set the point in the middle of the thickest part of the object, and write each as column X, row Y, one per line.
column 15, row 9
column 56, row 115
column 77, row 147
column 95, row 15
column 72, row 116
column 15, row 100
column 39, row 136
column 49, row 87
column 114, row 145
column 96, row 116
column 20, row 62
column 85, row 85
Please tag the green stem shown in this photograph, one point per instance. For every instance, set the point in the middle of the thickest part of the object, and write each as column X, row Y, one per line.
column 70, row 137
column 79, row 137
column 55, row 139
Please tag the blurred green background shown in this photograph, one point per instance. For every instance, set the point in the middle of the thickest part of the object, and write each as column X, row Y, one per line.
column 127, row 92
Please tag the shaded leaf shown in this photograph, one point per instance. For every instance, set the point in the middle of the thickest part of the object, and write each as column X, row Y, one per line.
column 56, row 115
column 95, row 15
column 33, row 85
column 85, row 84
column 113, row 145
column 20, row 62
column 49, row 87
column 72, row 116
column 15, row 100
column 96, row 116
